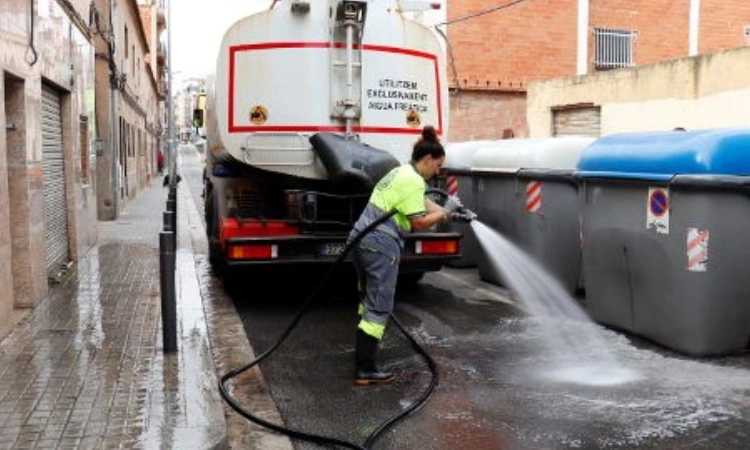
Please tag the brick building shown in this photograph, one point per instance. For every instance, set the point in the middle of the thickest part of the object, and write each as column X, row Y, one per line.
column 47, row 131
column 130, row 94
column 497, row 49
column 57, row 120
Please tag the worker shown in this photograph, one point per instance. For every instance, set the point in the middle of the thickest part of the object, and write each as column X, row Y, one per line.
column 376, row 257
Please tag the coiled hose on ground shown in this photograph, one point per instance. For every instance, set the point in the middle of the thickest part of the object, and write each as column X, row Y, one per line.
column 315, row 438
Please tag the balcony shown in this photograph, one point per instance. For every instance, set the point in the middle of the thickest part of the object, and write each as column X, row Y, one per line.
column 161, row 17
column 163, row 88
column 161, row 53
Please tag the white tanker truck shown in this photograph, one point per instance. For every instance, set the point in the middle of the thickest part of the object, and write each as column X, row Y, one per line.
column 311, row 103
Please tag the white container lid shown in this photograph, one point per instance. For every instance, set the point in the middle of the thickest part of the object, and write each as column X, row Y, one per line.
column 458, row 155
column 512, row 155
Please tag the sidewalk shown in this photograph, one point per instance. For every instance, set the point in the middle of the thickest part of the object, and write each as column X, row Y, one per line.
column 86, row 370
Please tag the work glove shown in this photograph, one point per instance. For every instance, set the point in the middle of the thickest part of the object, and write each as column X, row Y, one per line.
column 453, row 205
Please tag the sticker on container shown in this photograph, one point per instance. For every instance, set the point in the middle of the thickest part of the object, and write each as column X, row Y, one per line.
column 451, row 185
column 657, row 210
column 534, row 197
column 697, row 250
column 258, row 115
column 413, row 119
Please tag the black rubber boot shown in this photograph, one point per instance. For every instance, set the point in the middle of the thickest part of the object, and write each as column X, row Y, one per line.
column 367, row 373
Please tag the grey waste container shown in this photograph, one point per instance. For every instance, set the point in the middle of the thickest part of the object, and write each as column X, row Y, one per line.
column 665, row 220
column 526, row 191
column 458, row 177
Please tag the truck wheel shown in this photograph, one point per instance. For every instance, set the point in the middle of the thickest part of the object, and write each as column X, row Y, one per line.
column 410, row 278
column 215, row 256
column 208, row 208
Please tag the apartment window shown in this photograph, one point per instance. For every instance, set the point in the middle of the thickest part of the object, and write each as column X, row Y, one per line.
column 614, row 48
column 126, row 63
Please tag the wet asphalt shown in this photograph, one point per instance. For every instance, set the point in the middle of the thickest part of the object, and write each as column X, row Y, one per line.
column 502, row 385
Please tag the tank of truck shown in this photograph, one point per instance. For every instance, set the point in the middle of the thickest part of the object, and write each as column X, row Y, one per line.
column 288, row 73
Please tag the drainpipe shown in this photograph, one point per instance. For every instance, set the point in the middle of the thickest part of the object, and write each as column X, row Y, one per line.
column 583, row 37
column 171, row 148
column 114, row 122
column 695, row 15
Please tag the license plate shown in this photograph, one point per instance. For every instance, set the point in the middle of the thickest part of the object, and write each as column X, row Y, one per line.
column 331, row 249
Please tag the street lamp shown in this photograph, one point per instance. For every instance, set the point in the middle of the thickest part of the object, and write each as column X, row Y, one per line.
column 171, row 150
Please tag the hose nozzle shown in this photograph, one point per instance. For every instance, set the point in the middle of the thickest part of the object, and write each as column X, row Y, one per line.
column 464, row 215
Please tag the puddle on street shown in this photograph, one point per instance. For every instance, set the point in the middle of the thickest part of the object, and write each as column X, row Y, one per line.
column 566, row 369
column 570, row 330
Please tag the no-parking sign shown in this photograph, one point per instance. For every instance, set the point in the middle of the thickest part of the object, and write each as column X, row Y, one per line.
column 657, row 210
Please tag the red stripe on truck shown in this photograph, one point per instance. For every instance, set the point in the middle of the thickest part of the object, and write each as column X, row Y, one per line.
column 234, row 49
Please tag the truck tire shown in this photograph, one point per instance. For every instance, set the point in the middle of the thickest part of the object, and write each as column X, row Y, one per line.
column 215, row 256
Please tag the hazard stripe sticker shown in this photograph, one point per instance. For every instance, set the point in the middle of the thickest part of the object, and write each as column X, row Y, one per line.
column 534, row 197
column 451, row 185
column 697, row 250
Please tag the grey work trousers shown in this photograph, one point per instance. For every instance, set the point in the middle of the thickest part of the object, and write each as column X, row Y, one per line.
column 376, row 259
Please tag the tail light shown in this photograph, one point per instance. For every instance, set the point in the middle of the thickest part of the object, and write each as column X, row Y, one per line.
column 243, row 251
column 436, row 247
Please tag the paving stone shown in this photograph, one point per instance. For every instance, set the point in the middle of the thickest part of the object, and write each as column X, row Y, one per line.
column 86, row 370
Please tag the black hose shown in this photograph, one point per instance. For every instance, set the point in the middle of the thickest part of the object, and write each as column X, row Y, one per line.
column 318, row 439
column 417, row 404
column 437, row 191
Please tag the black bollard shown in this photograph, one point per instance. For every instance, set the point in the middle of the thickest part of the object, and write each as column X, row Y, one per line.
column 172, row 207
column 169, row 221
column 174, row 197
column 167, row 264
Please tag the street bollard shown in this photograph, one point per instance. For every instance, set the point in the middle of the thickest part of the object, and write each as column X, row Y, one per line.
column 169, row 221
column 170, row 225
column 174, row 197
column 172, row 207
column 167, row 265
column 174, row 221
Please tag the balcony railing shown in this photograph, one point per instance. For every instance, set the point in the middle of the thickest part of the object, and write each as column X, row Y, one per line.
column 161, row 53
column 161, row 16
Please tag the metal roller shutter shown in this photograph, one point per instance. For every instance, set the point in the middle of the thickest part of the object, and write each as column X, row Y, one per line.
column 577, row 121
column 55, row 210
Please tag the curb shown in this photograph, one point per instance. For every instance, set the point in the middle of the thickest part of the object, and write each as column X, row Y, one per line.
column 194, row 334
column 230, row 347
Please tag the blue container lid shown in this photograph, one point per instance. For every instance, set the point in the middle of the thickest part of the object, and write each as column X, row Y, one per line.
column 662, row 155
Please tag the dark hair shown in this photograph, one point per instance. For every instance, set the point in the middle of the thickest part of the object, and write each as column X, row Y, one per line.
column 428, row 144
